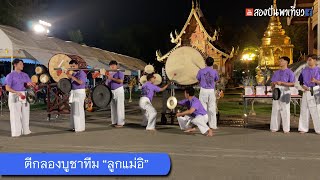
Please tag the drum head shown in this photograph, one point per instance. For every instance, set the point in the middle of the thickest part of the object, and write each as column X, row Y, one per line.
column 143, row 79
column 101, row 96
column 183, row 65
column 35, row 78
column 64, row 85
column 44, row 78
column 276, row 94
column 149, row 69
column 158, row 79
column 40, row 70
column 31, row 96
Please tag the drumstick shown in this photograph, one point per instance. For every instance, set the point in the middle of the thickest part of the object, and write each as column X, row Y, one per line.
column 85, row 69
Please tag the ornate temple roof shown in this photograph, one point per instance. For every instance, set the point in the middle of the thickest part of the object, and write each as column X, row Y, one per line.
column 210, row 34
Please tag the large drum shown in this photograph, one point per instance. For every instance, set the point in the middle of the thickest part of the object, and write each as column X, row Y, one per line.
column 62, row 61
column 183, row 65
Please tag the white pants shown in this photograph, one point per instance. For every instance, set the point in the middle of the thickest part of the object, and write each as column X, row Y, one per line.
column 207, row 98
column 281, row 111
column 200, row 121
column 309, row 106
column 19, row 116
column 149, row 113
column 77, row 115
column 117, row 107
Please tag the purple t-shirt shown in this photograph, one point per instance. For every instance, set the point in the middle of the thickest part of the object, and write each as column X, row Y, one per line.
column 17, row 80
column 307, row 74
column 148, row 90
column 194, row 103
column 81, row 75
column 286, row 75
column 112, row 84
column 207, row 77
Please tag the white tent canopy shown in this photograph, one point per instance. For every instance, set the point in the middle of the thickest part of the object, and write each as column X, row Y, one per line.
column 18, row 44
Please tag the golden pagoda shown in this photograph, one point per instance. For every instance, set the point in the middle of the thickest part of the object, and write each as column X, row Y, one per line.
column 275, row 43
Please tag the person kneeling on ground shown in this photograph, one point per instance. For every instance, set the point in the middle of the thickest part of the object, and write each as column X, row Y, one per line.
column 196, row 114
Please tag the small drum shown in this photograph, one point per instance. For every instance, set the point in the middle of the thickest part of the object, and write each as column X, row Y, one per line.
column 31, row 96
column 35, row 79
column 158, row 79
column 40, row 70
column 101, row 96
column 143, row 79
column 64, row 85
column 149, row 69
column 183, row 65
column 276, row 93
column 44, row 78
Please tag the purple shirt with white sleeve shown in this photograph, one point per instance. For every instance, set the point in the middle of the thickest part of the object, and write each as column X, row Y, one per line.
column 207, row 77
column 112, row 84
column 307, row 74
column 286, row 75
column 81, row 75
column 148, row 90
column 16, row 80
column 194, row 103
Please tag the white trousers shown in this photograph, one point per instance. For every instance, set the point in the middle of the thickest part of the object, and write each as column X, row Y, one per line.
column 309, row 106
column 281, row 111
column 77, row 115
column 199, row 121
column 117, row 107
column 19, row 116
column 149, row 113
column 207, row 98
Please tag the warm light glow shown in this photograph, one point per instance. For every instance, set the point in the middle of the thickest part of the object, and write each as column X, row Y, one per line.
column 248, row 57
column 44, row 23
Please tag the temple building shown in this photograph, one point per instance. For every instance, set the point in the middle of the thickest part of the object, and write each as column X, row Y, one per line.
column 198, row 34
column 310, row 21
column 275, row 43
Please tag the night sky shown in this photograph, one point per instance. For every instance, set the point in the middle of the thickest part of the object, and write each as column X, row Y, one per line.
column 163, row 15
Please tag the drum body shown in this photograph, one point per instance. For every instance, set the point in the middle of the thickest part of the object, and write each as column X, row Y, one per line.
column 149, row 69
column 158, row 79
column 143, row 79
column 40, row 69
column 62, row 61
column 183, row 64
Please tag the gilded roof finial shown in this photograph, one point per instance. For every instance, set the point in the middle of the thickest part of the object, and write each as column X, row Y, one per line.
column 274, row 4
column 192, row 4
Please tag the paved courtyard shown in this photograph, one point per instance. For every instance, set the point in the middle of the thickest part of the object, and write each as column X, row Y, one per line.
column 233, row 153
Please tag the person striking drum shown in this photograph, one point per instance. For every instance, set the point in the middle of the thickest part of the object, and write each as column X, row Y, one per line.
column 282, row 79
column 149, row 112
column 310, row 80
column 207, row 78
column 196, row 114
column 77, row 97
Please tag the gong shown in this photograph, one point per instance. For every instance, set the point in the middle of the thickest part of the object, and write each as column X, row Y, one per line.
column 101, row 96
column 64, row 85
column 276, row 93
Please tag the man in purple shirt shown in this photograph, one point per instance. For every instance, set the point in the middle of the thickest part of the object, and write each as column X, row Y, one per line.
column 77, row 97
column 149, row 112
column 115, row 82
column 207, row 78
column 196, row 114
column 18, row 106
column 310, row 80
column 282, row 79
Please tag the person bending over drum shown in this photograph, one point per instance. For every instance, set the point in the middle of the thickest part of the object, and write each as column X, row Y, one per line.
column 196, row 114
column 149, row 112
